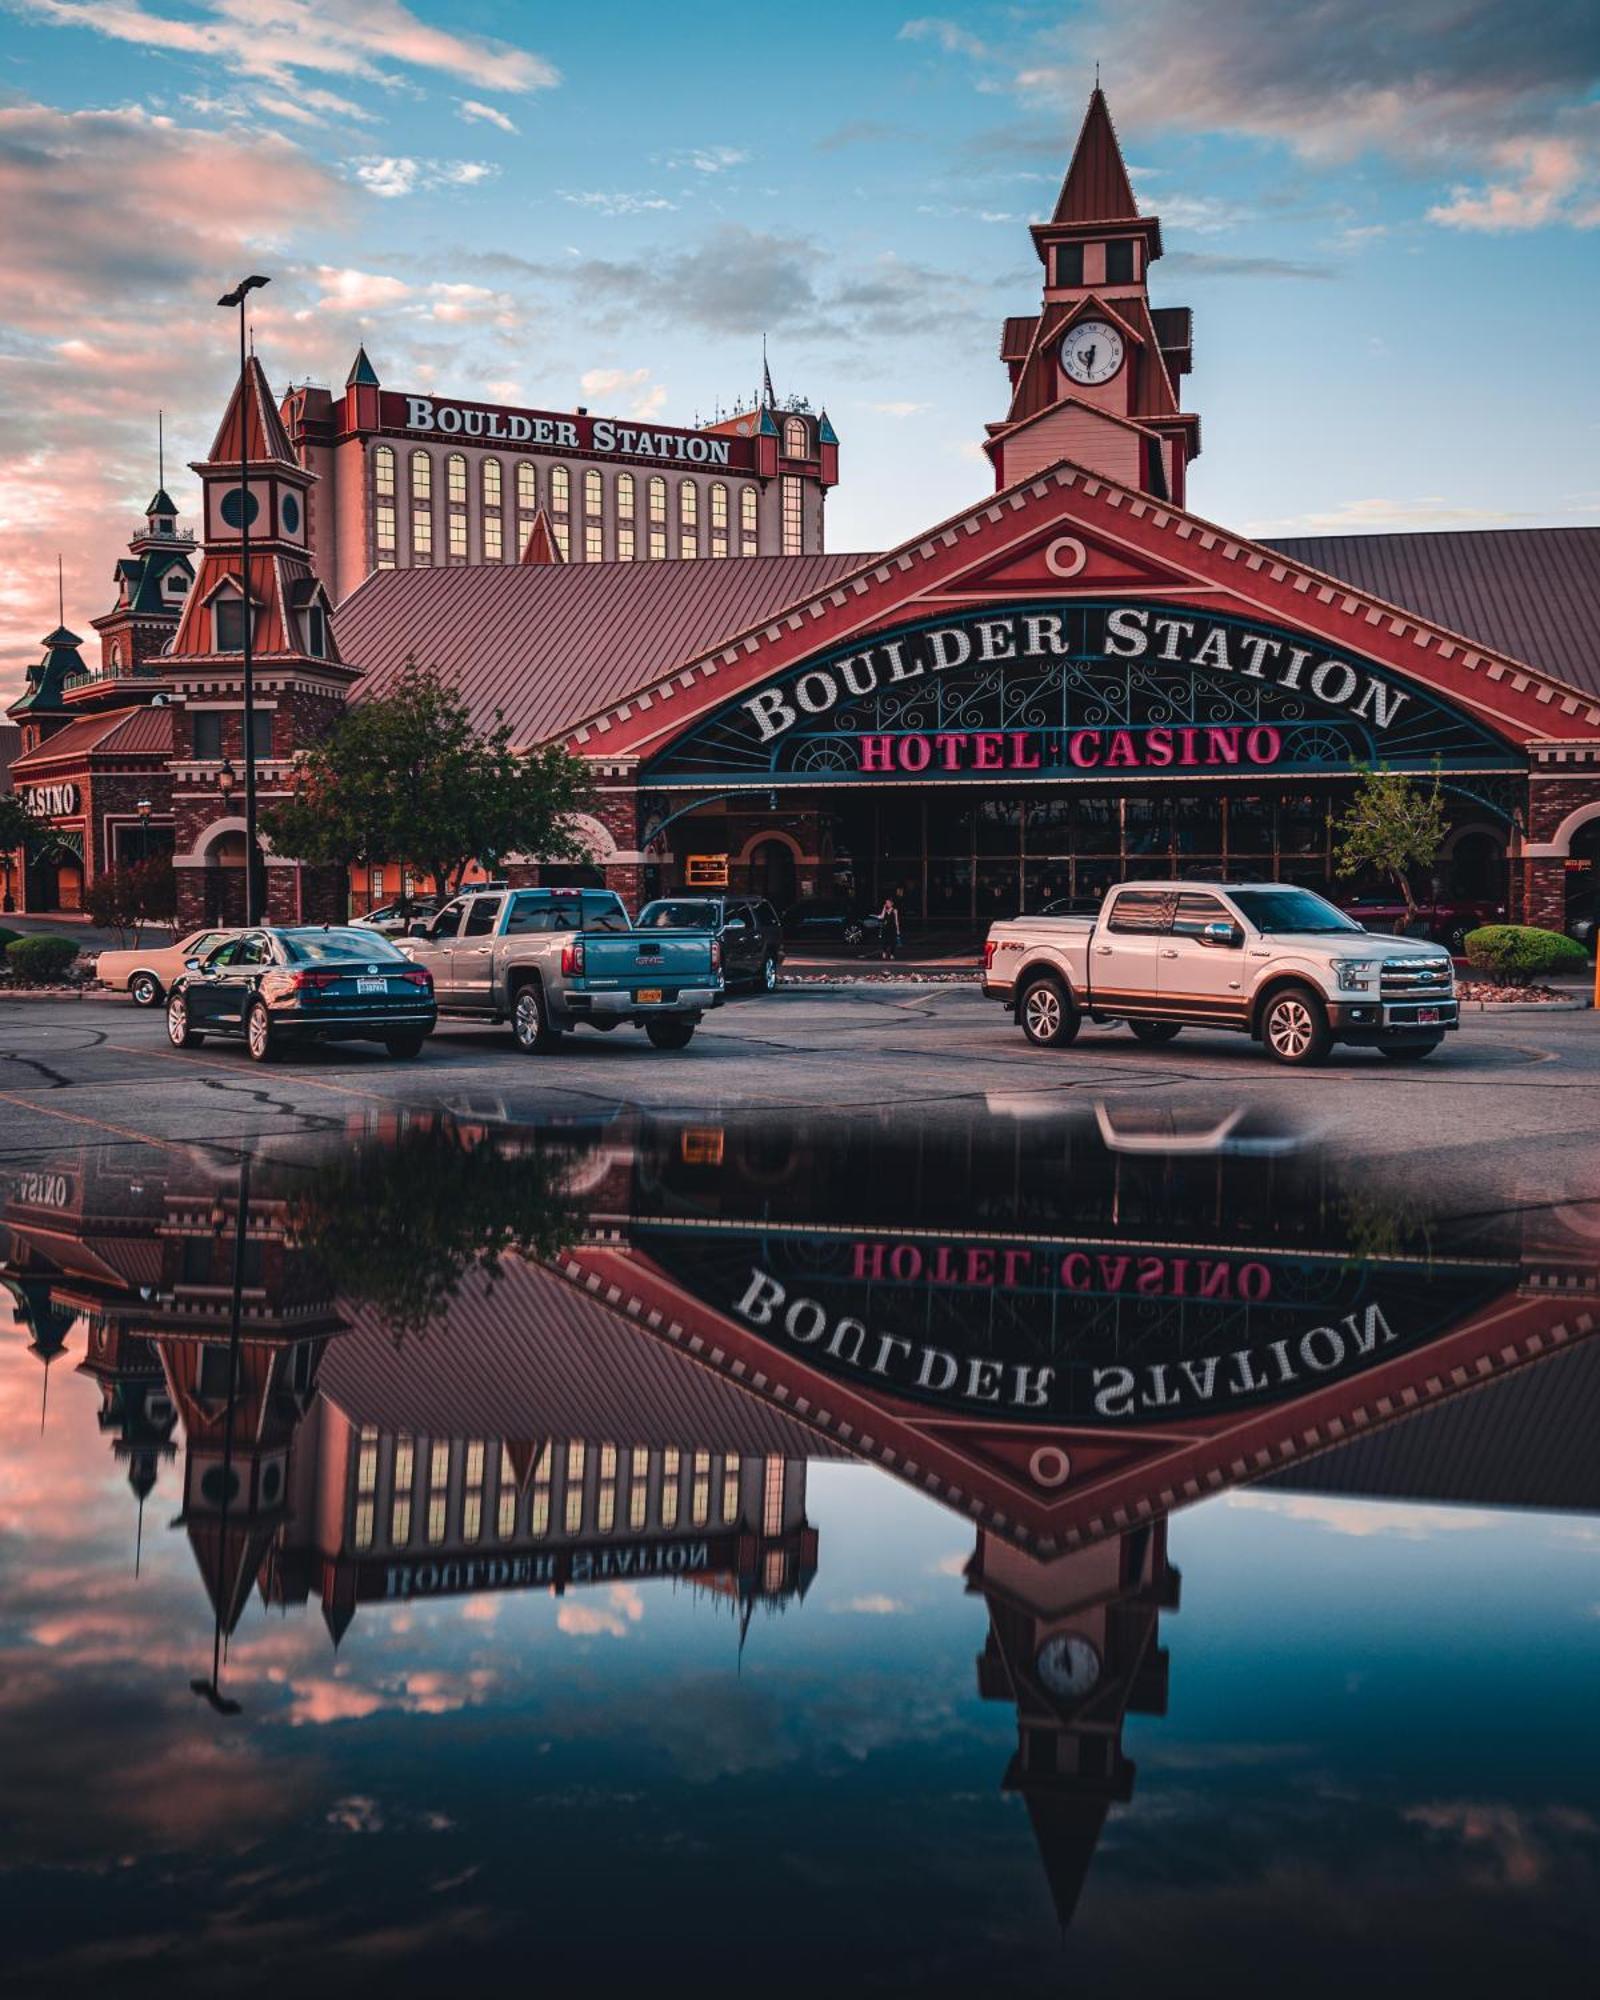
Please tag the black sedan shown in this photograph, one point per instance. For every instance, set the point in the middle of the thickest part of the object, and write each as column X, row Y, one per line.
column 331, row 983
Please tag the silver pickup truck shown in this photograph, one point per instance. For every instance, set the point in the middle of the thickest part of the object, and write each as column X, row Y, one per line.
column 551, row 959
column 1268, row 960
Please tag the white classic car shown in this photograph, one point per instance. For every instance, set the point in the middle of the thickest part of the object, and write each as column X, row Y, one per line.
column 146, row 971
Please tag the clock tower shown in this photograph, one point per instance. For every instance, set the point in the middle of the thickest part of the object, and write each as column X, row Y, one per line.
column 1095, row 372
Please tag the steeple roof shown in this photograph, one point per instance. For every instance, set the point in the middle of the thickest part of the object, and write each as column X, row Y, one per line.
column 362, row 373
column 161, row 504
column 542, row 546
column 253, row 416
column 1097, row 188
column 46, row 680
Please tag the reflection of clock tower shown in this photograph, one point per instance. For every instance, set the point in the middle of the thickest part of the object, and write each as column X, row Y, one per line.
column 1072, row 1643
column 1094, row 373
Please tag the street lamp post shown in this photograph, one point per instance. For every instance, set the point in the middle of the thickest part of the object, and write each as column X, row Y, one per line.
column 252, row 875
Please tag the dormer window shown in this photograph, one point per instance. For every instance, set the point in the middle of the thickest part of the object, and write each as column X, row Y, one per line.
column 227, row 617
column 1119, row 261
column 176, row 582
column 316, row 632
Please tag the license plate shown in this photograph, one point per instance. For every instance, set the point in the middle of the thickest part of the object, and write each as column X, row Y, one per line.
column 648, row 995
column 1427, row 1013
column 372, row 985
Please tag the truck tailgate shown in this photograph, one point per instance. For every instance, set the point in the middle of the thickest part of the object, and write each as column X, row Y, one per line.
column 638, row 959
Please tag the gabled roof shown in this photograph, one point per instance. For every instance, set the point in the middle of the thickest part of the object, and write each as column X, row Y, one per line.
column 551, row 642
column 135, row 732
column 1097, row 188
column 541, row 545
column 253, row 416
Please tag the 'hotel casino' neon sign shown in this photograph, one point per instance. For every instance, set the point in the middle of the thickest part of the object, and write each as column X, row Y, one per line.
column 1157, row 749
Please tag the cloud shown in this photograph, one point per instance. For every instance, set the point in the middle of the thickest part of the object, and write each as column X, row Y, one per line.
column 644, row 398
column 274, row 39
column 873, row 1604
column 589, row 1619
column 600, row 202
column 356, row 1814
column 1210, row 264
column 1507, row 1848
column 1549, row 173
column 390, row 176
column 947, row 35
column 706, row 159
column 358, row 291
column 469, row 108
column 859, row 132
column 1363, row 1518
column 1377, row 516
column 899, row 409
column 739, row 280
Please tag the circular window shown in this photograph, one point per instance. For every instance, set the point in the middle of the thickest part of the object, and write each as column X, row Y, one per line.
column 291, row 514
column 214, row 1483
column 238, row 509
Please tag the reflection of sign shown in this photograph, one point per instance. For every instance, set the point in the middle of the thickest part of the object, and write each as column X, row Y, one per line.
column 53, row 801
column 701, row 1146
column 706, row 871
column 444, row 1576
column 1070, row 690
column 44, row 1190
column 490, row 423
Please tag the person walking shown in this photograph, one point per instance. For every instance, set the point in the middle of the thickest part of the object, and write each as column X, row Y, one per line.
column 889, row 928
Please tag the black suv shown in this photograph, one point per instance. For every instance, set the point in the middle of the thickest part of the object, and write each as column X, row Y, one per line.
column 828, row 923
column 752, row 937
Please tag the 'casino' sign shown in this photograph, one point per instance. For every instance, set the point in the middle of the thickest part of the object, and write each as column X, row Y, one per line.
column 1074, row 691
column 52, row 801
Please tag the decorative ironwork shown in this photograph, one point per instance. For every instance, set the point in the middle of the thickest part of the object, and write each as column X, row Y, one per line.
column 1042, row 706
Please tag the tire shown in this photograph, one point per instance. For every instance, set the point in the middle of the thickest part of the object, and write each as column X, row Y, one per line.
column 670, row 1034
column 767, row 978
column 144, row 989
column 259, row 1039
column 1294, row 1027
column 404, row 1047
column 179, row 1033
column 1156, row 1031
column 1046, row 1015
column 1408, row 1052
column 530, row 1025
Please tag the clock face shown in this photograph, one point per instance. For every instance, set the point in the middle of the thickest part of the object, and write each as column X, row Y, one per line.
column 1091, row 351
column 237, row 506
column 1068, row 1664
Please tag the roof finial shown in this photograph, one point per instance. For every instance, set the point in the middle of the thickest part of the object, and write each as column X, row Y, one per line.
column 1097, row 74
column 768, row 399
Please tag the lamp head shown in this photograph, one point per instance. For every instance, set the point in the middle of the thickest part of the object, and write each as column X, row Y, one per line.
column 237, row 295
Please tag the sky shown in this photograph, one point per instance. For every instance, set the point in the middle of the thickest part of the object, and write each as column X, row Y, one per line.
column 1385, row 216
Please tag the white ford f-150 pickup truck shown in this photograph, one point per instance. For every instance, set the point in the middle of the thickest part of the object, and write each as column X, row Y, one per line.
column 1268, row 960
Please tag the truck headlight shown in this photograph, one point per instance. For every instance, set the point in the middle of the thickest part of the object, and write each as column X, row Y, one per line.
column 1354, row 974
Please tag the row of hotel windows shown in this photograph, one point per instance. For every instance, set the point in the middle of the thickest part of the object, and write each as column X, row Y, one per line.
column 641, row 523
column 507, row 1499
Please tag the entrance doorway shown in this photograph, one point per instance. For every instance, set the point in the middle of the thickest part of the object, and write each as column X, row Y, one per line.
column 772, row 872
column 1583, row 883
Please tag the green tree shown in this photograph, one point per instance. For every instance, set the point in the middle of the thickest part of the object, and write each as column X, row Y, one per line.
column 410, row 777
column 19, row 824
column 1393, row 824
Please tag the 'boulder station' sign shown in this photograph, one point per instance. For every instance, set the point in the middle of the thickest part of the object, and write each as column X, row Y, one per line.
column 549, row 430
column 1076, row 690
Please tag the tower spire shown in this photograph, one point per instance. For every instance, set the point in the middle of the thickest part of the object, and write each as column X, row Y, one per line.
column 1097, row 188
column 61, row 592
column 161, row 451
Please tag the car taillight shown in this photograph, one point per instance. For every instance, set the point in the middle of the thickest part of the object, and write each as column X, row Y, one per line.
column 716, row 954
column 417, row 975
column 313, row 982
column 572, row 958
column 988, row 953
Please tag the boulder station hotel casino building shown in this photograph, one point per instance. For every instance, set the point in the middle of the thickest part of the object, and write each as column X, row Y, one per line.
column 1073, row 680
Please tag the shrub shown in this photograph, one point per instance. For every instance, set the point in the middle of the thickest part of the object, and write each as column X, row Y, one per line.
column 1518, row 952
column 40, row 961
column 7, row 939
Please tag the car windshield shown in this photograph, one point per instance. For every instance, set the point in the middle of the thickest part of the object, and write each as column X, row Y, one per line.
column 321, row 947
column 675, row 916
column 1290, row 910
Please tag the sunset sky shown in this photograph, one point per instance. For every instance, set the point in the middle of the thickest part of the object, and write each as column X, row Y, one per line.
column 1387, row 218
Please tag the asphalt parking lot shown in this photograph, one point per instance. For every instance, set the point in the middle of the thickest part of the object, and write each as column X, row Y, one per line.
column 1511, row 1097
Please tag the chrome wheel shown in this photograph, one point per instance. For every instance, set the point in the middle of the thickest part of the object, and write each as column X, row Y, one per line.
column 1041, row 1014
column 177, row 1022
column 144, row 989
column 1290, row 1029
column 769, row 975
column 258, row 1034
column 527, row 1021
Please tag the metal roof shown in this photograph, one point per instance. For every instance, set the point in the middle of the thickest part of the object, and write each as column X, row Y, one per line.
column 549, row 643
column 139, row 732
column 1532, row 593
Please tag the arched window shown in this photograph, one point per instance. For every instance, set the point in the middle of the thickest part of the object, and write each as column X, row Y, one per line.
column 527, row 486
column 421, row 507
column 493, row 512
column 658, row 519
column 561, row 508
column 748, row 543
column 719, row 518
column 688, row 518
column 794, row 438
column 456, row 492
column 383, row 506
column 594, row 517
column 625, row 517
column 793, row 515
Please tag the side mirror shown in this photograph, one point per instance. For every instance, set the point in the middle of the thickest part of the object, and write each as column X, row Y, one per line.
column 1224, row 934
column 191, row 965
column 418, row 929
